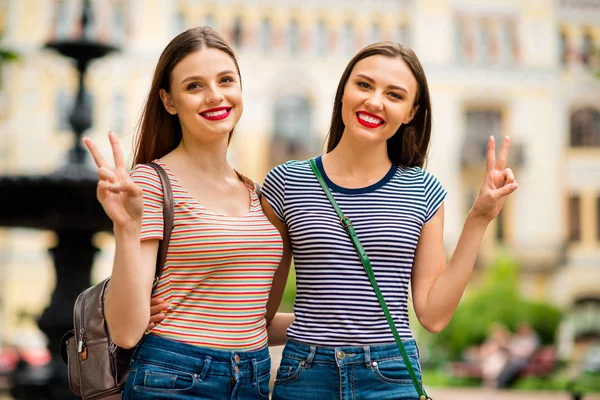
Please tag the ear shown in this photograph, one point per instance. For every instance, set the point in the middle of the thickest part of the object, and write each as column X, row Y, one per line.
column 411, row 115
column 167, row 102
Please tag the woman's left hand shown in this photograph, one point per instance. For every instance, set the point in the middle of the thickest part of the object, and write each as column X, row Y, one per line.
column 498, row 183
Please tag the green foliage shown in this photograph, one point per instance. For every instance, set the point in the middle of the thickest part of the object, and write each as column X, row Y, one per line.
column 497, row 300
column 440, row 378
column 7, row 55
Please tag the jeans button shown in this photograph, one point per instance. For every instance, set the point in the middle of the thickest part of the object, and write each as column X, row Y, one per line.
column 340, row 355
column 236, row 358
column 236, row 369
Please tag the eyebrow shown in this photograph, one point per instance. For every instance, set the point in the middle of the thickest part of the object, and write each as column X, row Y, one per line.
column 199, row 78
column 396, row 87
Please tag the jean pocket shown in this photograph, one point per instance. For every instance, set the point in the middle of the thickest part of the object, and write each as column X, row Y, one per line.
column 394, row 370
column 152, row 378
column 289, row 369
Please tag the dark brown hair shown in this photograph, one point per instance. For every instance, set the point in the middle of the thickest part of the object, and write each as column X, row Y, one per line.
column 409, row 145
column 159, row 132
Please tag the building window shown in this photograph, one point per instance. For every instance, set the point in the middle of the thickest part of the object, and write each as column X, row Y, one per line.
column 118, row 117
column 348, row 39
column 587, row 49
column 237, row 33
column 483, row 41
column 598, row 219
column 322, row 38
column 574, row 218
column 62, row 19
column 585, row 128
column 402, row 35
column 292, row 138
column 460, row 40
column 266, row 35
column 178, row 23
column 374, row 33
column 209, row 20
column 563, row 47
column 293, row 37
column 508, row 42
column 118, row 26
column 501, row 226
column 480, row 124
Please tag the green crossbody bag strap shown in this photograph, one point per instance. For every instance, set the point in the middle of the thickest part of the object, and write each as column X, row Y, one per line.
column 347, row 225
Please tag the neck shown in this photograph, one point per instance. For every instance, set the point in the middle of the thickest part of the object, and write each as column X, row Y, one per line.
column 207, row 158
column 351, row 158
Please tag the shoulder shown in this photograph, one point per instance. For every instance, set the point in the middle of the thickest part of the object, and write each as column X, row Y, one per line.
column 147, row 177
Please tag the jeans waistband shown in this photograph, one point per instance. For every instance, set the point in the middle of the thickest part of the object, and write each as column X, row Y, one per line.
column 341, row 355
column 194, row 358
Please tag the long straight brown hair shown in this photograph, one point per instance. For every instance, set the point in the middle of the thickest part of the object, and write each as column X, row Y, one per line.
column 158, row 132
column 410, row 143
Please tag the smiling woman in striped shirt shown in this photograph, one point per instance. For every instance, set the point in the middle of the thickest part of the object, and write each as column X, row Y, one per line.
column 223, row 252
column 340, row 345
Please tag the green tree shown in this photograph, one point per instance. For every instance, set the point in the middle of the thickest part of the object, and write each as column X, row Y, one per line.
column 497, row 300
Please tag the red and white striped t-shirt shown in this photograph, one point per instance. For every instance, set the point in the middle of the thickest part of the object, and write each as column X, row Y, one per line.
column 218, row 271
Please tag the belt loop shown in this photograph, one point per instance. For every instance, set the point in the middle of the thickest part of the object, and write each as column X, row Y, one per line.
column 367, row 351
column 310, row 357
column 254, row 377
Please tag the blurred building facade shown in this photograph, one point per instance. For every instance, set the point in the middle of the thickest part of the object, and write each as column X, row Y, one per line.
column 501, row 67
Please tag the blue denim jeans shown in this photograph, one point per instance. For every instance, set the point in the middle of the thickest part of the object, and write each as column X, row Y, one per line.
column 167, row 369
column 309, row 372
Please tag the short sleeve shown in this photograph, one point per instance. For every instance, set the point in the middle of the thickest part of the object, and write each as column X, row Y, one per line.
column 152, row 220
column 434, row 195
column 273, row 189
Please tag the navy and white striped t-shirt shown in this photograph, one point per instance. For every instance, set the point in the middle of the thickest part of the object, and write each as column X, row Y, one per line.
column 335, row 303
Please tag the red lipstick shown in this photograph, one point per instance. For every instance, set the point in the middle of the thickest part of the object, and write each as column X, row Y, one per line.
column 217, row 113
column 366, row 123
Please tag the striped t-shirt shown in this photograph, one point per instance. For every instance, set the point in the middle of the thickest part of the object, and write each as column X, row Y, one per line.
column 335, row 303
column 218, row 271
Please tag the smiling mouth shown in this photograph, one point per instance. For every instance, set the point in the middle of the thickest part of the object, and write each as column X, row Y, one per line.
column 216, row 114
column 369, row 120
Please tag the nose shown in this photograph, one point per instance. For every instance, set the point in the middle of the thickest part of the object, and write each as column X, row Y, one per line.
column 214, row 95
column 374, row 102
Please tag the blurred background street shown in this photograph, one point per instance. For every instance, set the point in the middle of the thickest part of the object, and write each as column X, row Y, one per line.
column 524, row 68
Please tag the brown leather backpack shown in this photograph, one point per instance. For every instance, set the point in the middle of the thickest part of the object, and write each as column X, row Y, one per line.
column 98, row 368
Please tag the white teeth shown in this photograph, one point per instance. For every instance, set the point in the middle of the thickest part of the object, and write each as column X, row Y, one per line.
column 215, row 113
column 369, row 119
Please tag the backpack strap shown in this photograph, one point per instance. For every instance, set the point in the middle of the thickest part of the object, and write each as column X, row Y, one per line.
column 163, row 246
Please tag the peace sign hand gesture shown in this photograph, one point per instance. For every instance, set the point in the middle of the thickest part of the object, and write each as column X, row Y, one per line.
column 498, row 183
column 120, row 197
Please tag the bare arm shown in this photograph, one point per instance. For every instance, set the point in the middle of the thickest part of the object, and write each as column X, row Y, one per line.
column 127, row 305
column 281, row 275
column 127, row 301
column 277, row 323
column 277, row 328
column 437, row 288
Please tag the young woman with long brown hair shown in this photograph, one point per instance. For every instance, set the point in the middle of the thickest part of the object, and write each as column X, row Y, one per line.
column 223, row 252
column 340, row 345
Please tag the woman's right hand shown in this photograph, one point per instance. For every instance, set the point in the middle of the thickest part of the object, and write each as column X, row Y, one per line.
column 158, row 309
column 120, row 197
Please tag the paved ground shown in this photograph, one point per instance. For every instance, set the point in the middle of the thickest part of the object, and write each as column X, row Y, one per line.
column 479, row 394
column 486, row 394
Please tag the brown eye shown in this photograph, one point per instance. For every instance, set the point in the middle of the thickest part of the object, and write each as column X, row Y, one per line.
column 193, row 86
column 364, row 85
